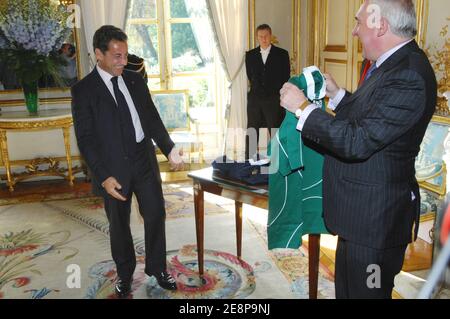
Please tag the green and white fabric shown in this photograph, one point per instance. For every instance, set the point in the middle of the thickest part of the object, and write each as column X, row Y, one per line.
column 295, row 180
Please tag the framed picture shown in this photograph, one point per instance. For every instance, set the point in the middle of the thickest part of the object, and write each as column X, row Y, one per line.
column 173, row 108
column 431, row 170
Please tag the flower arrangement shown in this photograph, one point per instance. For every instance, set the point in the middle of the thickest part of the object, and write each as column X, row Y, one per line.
column 31, row 32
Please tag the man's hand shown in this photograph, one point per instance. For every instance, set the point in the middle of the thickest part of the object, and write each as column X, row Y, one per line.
column 291, row 97
column 332, row 87
column 175, row 160
column 112, row 186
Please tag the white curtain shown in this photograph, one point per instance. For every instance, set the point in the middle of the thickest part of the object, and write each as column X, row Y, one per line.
column 95, row 13
column 230, row 19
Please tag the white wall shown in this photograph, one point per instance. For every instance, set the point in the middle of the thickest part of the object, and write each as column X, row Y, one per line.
column 277, row 14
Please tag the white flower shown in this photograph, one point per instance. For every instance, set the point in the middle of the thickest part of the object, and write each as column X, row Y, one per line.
column 33, row 26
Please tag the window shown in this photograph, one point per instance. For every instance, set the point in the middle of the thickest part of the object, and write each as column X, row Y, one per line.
column 175, row 39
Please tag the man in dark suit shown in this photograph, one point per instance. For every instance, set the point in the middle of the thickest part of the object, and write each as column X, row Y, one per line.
column 115, row 121
column 370, row 194
column 268, row 68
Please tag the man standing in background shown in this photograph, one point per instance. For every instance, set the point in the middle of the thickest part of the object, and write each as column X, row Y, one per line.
column 268, row 68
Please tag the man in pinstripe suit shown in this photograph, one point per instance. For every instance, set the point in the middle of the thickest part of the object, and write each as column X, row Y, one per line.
column 371, row 197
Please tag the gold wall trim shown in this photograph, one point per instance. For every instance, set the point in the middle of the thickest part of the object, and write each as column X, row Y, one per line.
column 422, row 12
column 77, row 38
column 297, row 38
column 335, row 48
column 249, row 21
column 327, row 61
column 318, row 31
column 338, row 61
column 326, row 39
column 311, row 27
column 251, row 24
column 359, row 67
column 293, row 56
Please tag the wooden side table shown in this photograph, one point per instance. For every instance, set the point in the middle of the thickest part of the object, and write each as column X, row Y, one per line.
column 205, row 181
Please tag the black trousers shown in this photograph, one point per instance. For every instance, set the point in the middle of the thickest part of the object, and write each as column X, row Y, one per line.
column 366, row 273
column 147, row 188
column 262, row 112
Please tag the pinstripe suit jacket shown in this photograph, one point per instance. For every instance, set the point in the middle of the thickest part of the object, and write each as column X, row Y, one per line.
column 371, row 145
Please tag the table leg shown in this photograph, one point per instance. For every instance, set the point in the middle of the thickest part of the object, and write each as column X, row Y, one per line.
column 238, row 212
column 66, row 132
column 5, row 158
column 199, row 224
column 314, row 254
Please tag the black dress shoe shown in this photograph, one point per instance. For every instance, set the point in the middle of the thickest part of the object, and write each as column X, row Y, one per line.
column 122, row 288
column 165, row 280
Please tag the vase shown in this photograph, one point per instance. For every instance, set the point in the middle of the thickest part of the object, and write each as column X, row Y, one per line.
column 30, row 91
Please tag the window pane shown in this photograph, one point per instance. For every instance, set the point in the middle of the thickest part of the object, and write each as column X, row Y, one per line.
column 201, row 96
column 187, row 54
column 143, row 42
column 188, row 9
column 154, row 84
column 178, row 9
column 142, row 9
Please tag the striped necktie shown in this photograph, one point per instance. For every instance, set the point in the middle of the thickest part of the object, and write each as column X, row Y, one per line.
column 372, row 68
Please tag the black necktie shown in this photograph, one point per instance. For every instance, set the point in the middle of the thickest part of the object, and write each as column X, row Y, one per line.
column 126, row 121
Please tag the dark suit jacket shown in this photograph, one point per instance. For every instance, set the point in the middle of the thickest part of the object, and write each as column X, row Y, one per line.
column 267, row 79
column 97, row 128
column 373, row 142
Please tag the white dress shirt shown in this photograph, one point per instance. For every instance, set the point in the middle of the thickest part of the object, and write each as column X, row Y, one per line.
column 333, row 103
column 265, row 53
column 106, row 77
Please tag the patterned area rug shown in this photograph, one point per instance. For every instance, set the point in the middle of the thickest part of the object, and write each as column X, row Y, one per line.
column 60, row 249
